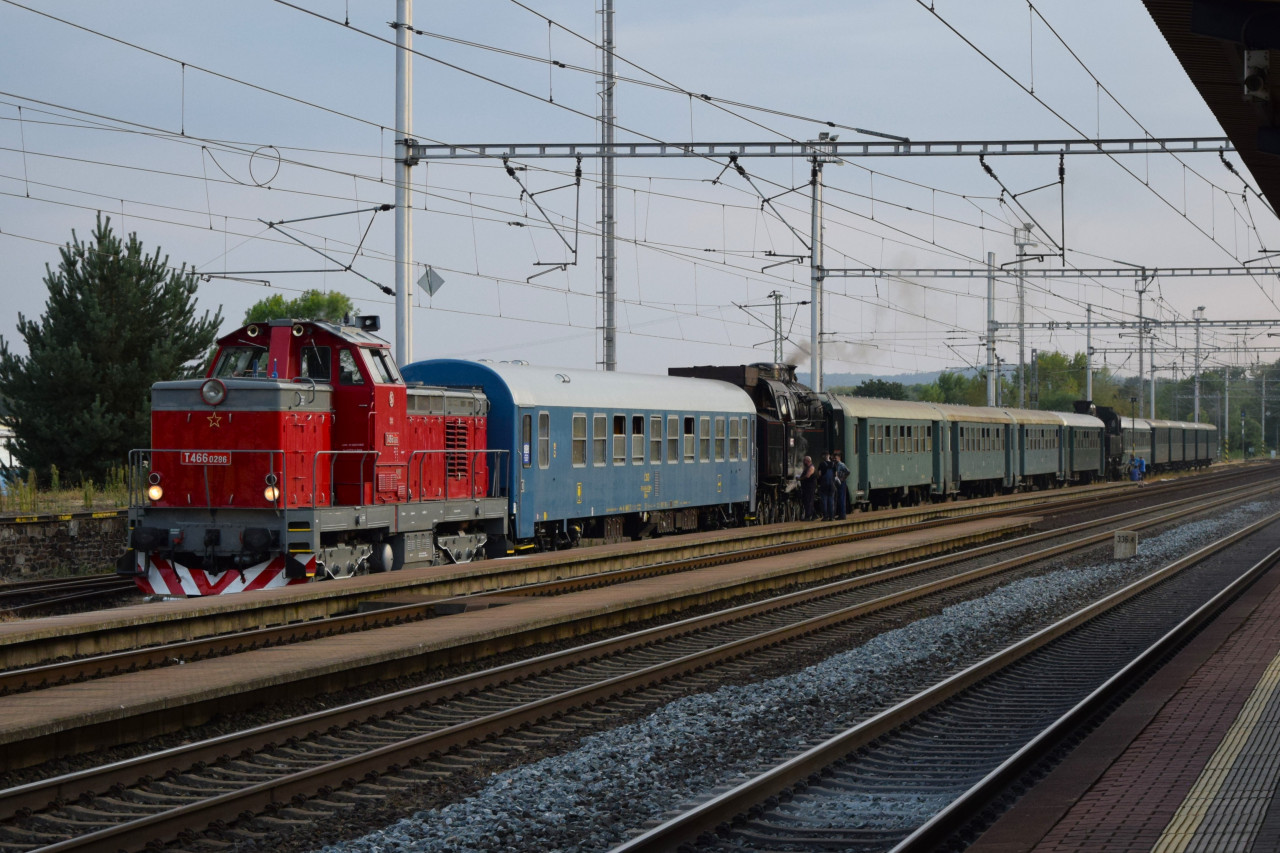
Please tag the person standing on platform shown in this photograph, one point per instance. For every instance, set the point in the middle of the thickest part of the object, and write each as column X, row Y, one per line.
column 827, row 487
column 842, row 490
column 808, row 487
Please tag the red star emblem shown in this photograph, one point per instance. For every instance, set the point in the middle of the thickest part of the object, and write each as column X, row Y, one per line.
column 215, row 420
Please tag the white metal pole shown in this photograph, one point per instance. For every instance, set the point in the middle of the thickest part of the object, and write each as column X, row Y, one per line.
column 991, row 328
column 404, row 207
column 1088, row 353
column 1022, row 237
column 1022, row 333
column 1142, row 373
column 1226, row 405
column 776, row 296
column 815, row 278
column 1199, row 315
column 1153, row 375
column 608, row 258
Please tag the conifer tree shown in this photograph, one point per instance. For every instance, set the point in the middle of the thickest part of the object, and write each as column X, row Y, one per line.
column 116, row 322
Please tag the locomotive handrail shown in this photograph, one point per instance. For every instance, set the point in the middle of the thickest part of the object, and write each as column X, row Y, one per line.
column 497, row 473
column 334, row 454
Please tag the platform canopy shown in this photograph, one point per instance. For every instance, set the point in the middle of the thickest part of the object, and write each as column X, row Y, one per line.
column 1223, row 44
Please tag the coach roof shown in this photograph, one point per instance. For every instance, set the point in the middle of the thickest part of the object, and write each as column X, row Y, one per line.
column 876, row 407
column 568, row 387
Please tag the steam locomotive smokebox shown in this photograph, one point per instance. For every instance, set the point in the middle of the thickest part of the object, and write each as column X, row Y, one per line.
column 1126, row 544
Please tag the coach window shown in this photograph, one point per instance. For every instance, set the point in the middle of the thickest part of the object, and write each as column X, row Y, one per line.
column 673, row 439
column 544, row 439
column 637, row 439
column 719, row 439
column 619, row 439
column 579, row 440
column 599, row 441
column 526, row 440
column 688, row 440
column 704, row 439
column 655, row 439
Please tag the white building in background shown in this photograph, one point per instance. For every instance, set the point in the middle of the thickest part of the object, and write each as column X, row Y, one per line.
column 7, row 461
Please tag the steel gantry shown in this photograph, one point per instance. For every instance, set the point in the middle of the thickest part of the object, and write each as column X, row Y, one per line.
column 825, row 150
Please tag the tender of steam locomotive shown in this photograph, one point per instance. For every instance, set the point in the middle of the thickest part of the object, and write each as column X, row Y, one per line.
column 303, row 453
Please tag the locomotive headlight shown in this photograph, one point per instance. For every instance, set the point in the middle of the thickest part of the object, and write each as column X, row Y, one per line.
column 213, row 391
column 272, row 491
column 155, row 492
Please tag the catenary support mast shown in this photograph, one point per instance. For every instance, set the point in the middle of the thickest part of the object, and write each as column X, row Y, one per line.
column 404, row 208
column 608, row 258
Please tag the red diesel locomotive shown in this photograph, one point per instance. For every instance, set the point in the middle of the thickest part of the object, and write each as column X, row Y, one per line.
column 303, row 453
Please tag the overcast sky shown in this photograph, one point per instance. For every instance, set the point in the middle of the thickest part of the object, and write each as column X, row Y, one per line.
column 298, row 126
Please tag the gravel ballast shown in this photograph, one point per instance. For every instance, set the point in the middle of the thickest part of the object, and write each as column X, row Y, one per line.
column 590, row 799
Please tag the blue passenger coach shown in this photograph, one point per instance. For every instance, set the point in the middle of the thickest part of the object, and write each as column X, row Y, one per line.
column 612, row 455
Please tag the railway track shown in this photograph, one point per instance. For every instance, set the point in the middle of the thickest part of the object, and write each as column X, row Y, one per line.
column 966, row 740
column 399, row 740
column 28, row 597
column 326, row 609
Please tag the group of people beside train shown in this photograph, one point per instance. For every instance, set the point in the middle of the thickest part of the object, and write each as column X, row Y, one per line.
column 823, row 488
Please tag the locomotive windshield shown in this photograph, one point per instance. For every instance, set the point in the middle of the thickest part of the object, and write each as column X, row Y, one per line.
column 381, row 366
column 241, row 361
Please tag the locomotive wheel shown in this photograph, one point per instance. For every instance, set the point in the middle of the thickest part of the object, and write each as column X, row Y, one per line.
column 383, row 558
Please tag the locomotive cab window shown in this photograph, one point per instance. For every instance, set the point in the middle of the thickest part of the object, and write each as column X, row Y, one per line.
column 381, row 367
column 241, row 362
column 315, row 363
column 348, row 371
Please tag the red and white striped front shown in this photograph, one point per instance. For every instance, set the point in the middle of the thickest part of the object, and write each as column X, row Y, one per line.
column 164, row 577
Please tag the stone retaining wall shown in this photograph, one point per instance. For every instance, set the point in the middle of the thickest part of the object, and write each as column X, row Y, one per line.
column 81, row 543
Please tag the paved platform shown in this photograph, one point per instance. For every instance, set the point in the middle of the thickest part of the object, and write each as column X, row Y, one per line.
column 1191, row 762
